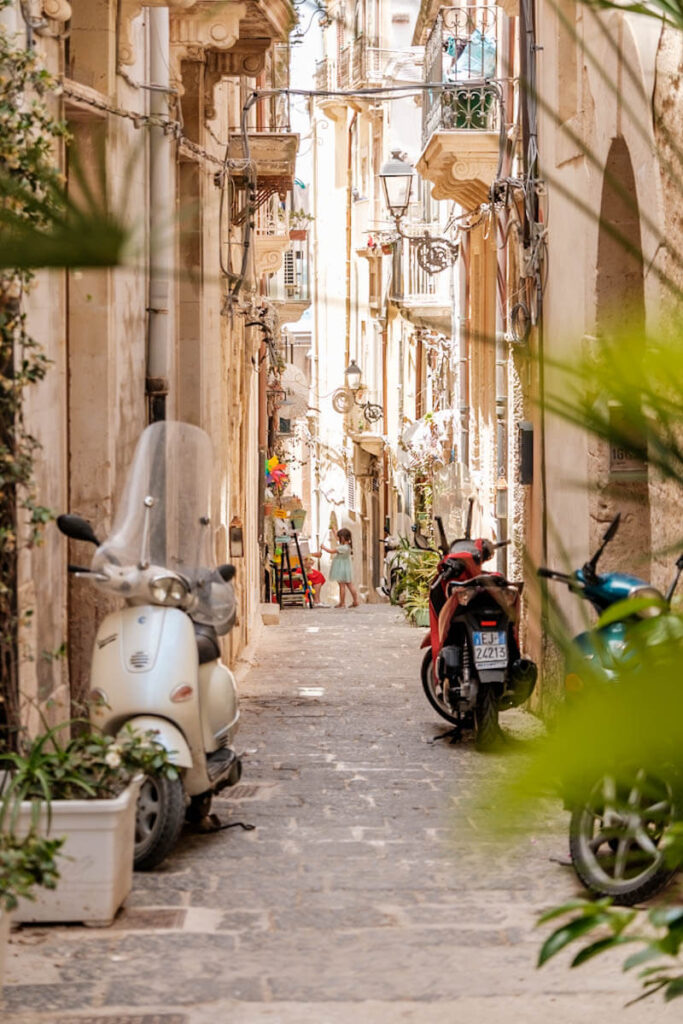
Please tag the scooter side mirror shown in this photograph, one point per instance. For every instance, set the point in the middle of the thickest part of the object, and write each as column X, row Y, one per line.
column 77, row 529
column 612, row 529
column 227, row 572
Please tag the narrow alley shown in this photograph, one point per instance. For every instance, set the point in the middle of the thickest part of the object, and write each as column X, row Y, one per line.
column 353, row 899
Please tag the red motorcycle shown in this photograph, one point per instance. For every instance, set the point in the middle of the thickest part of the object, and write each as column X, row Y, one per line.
column 472, row 668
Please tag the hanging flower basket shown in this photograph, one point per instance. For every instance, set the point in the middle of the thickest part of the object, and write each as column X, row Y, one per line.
column 298, row 518
column 387, row 248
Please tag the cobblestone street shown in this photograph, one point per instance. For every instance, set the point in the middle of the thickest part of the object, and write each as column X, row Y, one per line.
column 353, row 900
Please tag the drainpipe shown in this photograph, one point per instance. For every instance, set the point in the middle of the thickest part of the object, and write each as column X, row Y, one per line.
column 161, row 210
column 349, row 202
column 315, row 297
column 462, row 357
column 502, row 405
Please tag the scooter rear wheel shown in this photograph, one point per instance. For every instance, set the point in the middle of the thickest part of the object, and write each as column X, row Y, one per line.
column 433, row 689
column 158, row 820
column 487, row 734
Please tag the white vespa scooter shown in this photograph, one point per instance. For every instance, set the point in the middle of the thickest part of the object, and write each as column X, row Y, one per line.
column 156, row 661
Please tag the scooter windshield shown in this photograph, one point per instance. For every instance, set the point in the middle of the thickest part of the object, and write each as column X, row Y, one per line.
column 163, row 519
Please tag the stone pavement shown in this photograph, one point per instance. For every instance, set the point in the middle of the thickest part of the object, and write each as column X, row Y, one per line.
column 355, row 900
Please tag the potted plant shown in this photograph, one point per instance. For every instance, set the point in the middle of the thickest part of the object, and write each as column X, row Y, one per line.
column 85, row 790
column 25, row 863
column 298, row 224
column 413, row 591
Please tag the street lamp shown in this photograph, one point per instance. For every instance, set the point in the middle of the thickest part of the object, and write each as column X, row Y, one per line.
column 433, row 254
column 397, row 176
column 344, row 399
column 353, row 375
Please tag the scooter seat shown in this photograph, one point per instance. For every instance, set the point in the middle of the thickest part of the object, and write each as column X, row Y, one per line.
column 207, row 643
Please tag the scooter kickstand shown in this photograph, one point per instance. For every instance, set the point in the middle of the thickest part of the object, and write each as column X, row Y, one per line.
column 454, row 735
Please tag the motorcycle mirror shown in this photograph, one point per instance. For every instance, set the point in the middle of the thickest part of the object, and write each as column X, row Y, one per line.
column 470, row 513
column 227, row 572
column 612, row 529
column 77, row 529
column 443, row 543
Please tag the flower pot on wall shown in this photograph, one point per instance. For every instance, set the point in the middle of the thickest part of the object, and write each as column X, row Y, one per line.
column 298, row 518
column 297, row 234
column 96, row 862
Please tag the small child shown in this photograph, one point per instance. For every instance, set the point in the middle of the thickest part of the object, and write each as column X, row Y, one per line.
column 342, row 568
column 314, row 577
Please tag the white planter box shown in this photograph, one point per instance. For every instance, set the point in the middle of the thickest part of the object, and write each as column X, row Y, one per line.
column 95, row 863
column 4, row 940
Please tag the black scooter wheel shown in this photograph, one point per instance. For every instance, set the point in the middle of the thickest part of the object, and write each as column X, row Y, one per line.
column 433, row 689
column 158, row 820
column 487, row 734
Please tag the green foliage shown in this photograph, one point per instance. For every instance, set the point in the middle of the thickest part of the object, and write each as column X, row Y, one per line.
column 658, row 932
column 41, row 225
column 25, row 863
column 413, row 588
column 670, row 10
column 90, row 765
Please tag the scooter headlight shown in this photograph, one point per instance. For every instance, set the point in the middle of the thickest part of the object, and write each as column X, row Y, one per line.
column 167, row 590
column 653, row 602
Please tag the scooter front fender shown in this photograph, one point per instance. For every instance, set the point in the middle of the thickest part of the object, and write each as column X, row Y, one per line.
column 167, row 734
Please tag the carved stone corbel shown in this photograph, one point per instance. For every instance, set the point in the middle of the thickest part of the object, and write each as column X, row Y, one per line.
column 211, row 25
column 56, row 10
column 247, row 58
column 132, row 9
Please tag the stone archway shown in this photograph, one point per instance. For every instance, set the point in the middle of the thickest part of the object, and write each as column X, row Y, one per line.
column 622, row 482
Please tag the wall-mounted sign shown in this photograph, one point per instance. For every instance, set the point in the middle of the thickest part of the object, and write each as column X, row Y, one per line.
column 624, row 459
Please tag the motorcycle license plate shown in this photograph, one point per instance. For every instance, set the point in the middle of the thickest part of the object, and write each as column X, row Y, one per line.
column 490, row 649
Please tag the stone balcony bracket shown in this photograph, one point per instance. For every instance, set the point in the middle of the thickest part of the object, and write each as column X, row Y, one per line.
column 207, row 27
column 269, row 253
column 461, row 164
column 132, row 9
column 247, row 58
column 56, row 10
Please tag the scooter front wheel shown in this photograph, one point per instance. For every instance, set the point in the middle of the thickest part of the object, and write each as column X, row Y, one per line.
column 158, row 820
column 615, row 837
column 434, row 690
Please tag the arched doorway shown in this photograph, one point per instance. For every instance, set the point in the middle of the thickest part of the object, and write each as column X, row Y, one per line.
column 622, row 481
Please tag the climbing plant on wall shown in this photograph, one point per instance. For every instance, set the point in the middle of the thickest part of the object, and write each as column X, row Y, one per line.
column 29, row 135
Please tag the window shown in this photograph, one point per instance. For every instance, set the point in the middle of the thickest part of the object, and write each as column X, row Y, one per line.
column 351, row 496
column 285, row 426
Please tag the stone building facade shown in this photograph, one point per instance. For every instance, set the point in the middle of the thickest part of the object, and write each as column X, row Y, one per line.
column 152, row 94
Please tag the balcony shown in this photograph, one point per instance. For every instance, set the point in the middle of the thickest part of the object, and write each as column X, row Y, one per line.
column 324, row 75
column 289, row 289
column 463, row 118
column 271, row 238
column 423, row 299
column 274, row 154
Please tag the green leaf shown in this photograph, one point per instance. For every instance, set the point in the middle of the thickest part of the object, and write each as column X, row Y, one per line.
column 674, row 989
column 651, row 952
column 595, row 948
column 665, row 917
column 568, row 933
column 587, row 907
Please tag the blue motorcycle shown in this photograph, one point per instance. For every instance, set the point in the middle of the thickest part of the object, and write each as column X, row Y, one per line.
column 617, row 824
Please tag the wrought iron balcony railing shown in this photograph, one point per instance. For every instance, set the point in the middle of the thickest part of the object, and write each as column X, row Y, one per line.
column 461, row 56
